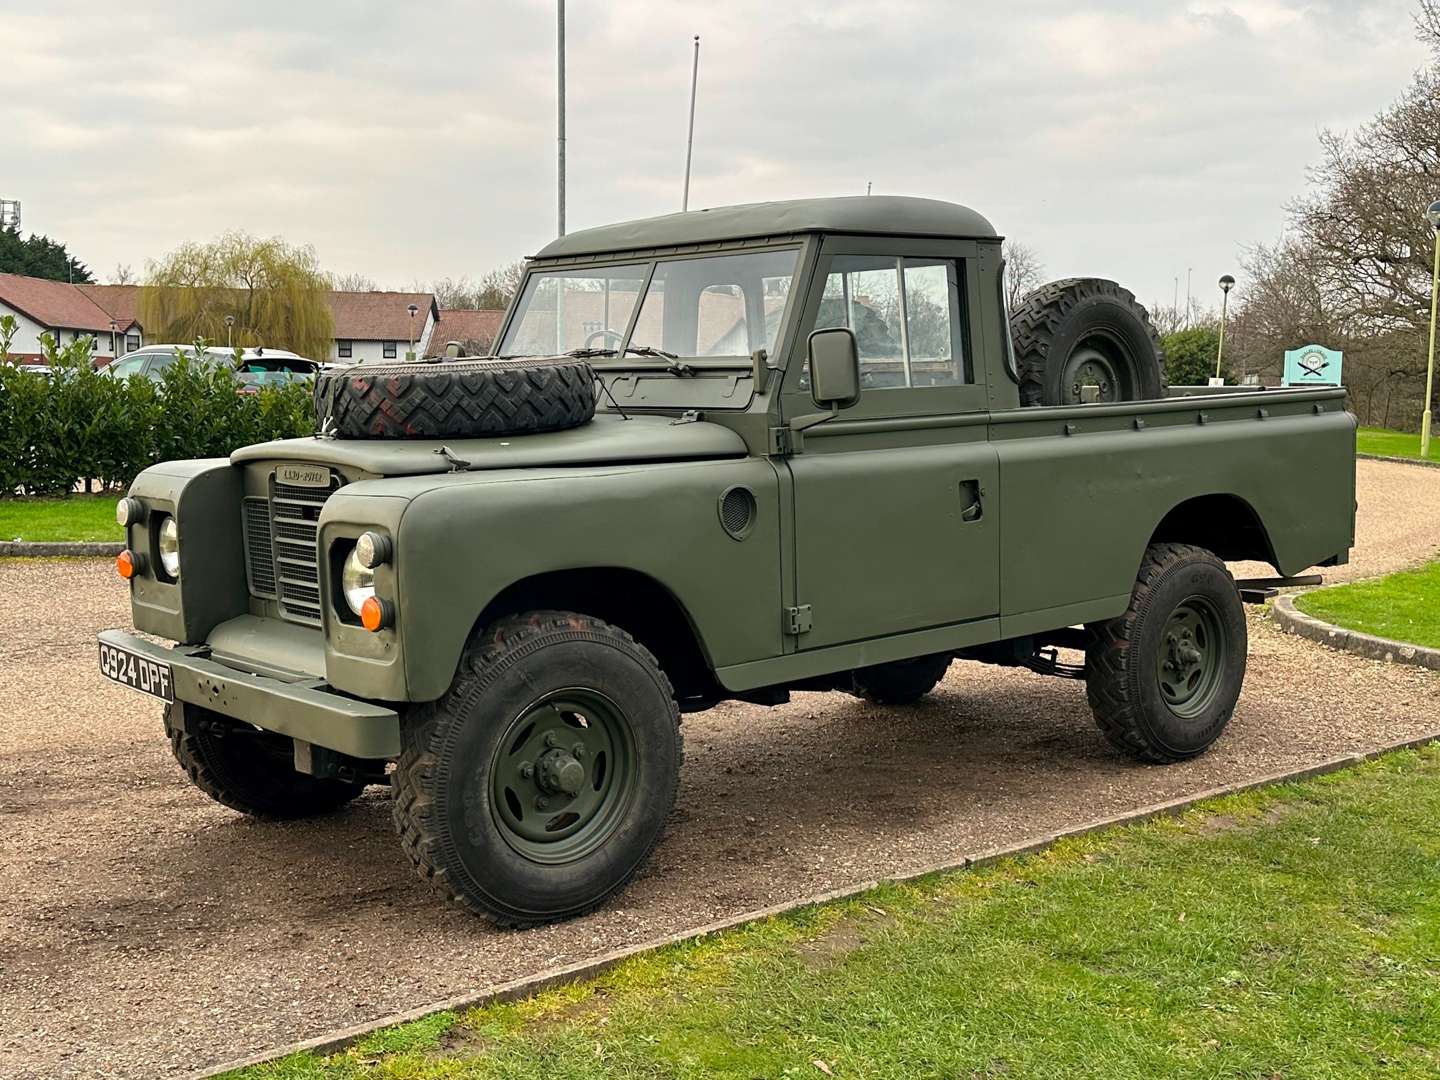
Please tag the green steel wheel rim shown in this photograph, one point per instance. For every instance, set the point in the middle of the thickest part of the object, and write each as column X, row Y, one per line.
column 564, row 775
column 1194, row 650
column 1090, row 365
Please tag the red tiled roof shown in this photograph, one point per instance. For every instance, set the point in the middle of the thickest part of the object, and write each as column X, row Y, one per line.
column 462, row 325
column 122, row 302
column 379, row 316
column 55, row 305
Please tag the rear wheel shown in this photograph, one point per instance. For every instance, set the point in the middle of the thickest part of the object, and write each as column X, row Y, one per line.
column 900, row 682
column 250, row 770
column 1163, row 678
column 540, row 783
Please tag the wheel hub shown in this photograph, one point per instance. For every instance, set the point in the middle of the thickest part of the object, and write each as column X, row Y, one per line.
column 1191, row 657
column 560, row 773
column 564, row 773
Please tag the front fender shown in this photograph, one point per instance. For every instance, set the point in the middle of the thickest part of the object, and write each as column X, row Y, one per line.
column 470, row 535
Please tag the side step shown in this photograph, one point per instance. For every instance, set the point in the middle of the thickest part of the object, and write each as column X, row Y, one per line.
column 1260, row 589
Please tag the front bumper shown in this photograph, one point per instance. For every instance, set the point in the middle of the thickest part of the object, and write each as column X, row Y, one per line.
column 302, row 710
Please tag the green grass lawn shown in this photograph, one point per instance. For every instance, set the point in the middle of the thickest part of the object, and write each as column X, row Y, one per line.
column 1387, row 443
column 1403, row 606
column 1292, row 932
column 80, row 517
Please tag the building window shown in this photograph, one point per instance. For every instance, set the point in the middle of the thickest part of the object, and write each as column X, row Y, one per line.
column 132, row 342
column 94, row 344
column 389, row 353
column 345, row 350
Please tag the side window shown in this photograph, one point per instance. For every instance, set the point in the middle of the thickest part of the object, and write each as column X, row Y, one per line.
column 125, row 368
column 904, row 316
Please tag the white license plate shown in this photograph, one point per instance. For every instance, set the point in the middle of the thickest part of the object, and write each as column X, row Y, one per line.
column 136, row 671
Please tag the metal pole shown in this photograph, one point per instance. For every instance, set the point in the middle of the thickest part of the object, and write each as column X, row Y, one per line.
column 560, row 98
column 1430, row 367
column 690, row 137
column 1220, row 351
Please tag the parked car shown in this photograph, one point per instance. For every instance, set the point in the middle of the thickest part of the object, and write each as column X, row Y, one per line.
column 256, row 366
column 821, row 456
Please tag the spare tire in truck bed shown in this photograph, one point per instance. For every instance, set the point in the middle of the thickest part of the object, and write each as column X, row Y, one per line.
column 1085, row 332
column 454, row 398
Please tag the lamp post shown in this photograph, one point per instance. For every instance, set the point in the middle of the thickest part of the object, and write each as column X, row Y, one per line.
column 1433, row 216
column 112, row 339
column 229, row 326
column 1226, row 284
column 413, row 308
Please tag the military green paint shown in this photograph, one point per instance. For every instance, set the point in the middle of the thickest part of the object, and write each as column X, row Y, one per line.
column 919, row 520
column 358, row 728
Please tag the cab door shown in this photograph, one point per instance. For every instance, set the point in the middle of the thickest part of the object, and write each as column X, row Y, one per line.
column 896, row 523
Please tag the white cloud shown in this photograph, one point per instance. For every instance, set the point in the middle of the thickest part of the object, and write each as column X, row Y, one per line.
column 1129, row 138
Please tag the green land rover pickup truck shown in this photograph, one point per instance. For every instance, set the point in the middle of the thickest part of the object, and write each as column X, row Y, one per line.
column 725, row 454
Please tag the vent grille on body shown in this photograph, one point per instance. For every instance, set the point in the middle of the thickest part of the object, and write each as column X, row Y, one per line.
column 737, row 512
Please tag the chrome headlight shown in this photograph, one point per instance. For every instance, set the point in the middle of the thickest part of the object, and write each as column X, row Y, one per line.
column 168, row 541
column 357, row 581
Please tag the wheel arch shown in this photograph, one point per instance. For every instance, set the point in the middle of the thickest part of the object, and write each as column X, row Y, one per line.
column 630, row 599
column 1223, row 523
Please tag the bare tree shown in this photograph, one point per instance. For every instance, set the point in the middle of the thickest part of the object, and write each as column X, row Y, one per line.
column 1024, row 272
column 123, row 275
column 352, row 283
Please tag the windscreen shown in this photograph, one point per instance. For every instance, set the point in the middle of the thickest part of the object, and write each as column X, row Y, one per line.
column 707, row 306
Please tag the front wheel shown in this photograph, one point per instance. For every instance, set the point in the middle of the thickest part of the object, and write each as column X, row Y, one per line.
column 540, row 783
column 1164, row 677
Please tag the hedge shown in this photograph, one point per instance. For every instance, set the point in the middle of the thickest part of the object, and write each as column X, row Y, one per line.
column 79, row 425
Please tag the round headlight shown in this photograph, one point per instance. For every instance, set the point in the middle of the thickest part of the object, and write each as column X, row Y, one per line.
column 357, row 581
column 169, row 544
column 372, row 549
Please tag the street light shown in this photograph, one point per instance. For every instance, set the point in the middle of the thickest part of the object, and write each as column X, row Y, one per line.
column 229, row 324
column 413, row 308
column 1226, row 284
column 1433, row 216
column 112, row 339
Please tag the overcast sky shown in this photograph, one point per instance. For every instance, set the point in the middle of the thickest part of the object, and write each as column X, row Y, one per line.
column 1132, row 139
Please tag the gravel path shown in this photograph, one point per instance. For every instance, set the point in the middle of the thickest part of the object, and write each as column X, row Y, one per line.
column 146, row 932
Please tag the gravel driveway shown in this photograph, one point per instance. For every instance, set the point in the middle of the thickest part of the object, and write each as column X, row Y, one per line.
column 145, row 931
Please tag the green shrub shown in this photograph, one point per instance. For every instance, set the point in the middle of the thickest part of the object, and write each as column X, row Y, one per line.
column 1190, row 356
column 81, row 425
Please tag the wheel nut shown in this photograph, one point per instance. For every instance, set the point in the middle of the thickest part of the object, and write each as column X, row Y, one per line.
column 542, row 803
column 578, row 749
column 526, row 770
column 551, row 741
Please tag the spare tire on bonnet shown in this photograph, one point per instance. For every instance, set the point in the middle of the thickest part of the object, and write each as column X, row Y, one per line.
column 454, row 398
column 1082, row 332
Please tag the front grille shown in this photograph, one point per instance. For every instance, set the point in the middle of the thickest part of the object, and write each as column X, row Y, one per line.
column 259, row 554
column 282, row 552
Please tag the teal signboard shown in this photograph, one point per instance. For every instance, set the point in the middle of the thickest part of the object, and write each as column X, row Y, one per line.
column 1312, row 365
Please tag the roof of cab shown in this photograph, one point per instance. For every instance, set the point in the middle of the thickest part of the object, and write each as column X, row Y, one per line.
column 884, row 215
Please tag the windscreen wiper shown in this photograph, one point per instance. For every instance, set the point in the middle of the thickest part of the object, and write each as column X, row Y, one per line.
column 673, row 363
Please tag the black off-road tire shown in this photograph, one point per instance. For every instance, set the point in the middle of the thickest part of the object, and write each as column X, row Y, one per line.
column 900, row 682
column 454, row 399
column 1123, row 681
column 248, row 770
column 1076, row 330
column 449, row 821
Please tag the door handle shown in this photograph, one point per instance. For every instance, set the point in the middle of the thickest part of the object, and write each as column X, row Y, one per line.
column 972, row 506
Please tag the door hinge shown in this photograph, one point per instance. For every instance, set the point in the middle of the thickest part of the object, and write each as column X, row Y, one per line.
column 784, row 440
column 798, row 620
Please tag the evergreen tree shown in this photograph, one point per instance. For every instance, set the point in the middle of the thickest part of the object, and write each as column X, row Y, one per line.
column 39, row 256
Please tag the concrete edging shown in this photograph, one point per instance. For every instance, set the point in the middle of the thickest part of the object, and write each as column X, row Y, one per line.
column 571, row 973
column 33, row 549
column 1399, row 460
column 1294, row 621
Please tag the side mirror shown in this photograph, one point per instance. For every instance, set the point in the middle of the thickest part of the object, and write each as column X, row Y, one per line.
column 834, row 368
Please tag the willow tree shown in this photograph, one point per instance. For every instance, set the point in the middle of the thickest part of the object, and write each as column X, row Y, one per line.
column 275, row 293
